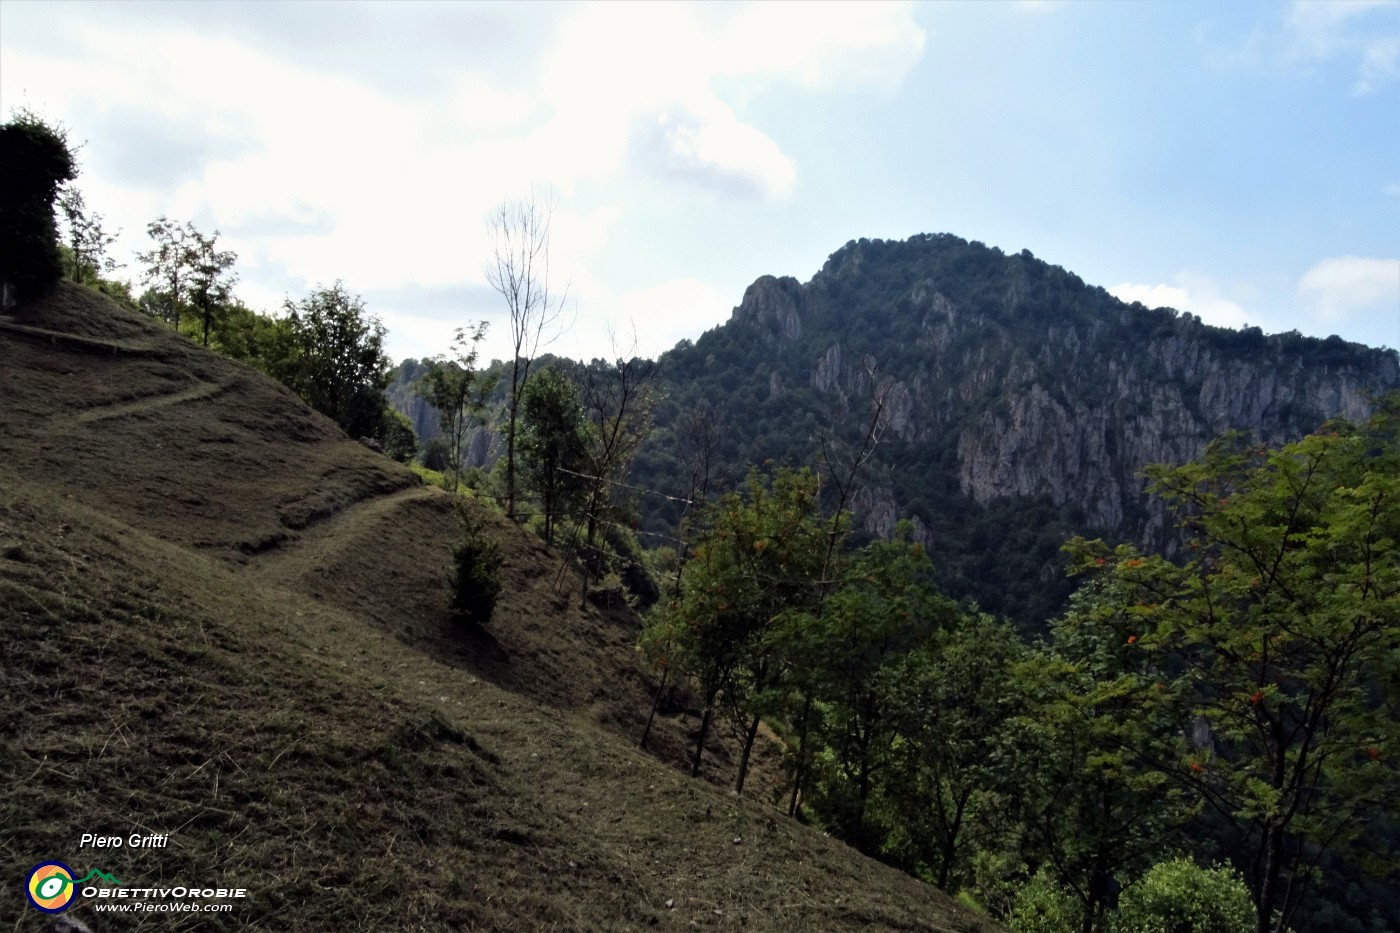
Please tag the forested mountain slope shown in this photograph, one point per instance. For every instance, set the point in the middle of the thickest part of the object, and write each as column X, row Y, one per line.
column 1022, row 403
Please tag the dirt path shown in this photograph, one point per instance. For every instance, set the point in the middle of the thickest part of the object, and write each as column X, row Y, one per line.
column 56, row 337
column 202, row 390
column 320, row 544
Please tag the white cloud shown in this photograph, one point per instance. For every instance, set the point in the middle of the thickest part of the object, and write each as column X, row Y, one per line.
column 1192, row 293
column 316, row 170
column 823, row 45
column 1339, row 287
column 1364, row 31
column 666, row 314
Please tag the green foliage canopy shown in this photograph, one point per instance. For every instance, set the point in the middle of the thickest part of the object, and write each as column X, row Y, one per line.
column 35, row 159
column 337, row 364
column 552, row 448
column 1284, row 626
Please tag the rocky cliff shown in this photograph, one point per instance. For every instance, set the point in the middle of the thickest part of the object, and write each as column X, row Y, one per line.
column 1010, row 389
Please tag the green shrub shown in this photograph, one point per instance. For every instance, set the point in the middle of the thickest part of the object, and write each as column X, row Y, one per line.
column 1042, row 906
column 400, row 440
column 1179, row 896
column 475, row 576
column 34, row 159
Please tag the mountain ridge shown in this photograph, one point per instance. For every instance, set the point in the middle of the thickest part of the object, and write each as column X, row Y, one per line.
column 1014, row 386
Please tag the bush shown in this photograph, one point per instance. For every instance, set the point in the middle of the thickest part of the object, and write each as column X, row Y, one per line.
column 1180, row 896
column 34, row 160
column 400, row 440
column 475, row 576
column 436, row 454
column 1044, row 907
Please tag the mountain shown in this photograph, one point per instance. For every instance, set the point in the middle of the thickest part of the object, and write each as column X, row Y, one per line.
column 225, row 622
column 1022, row 403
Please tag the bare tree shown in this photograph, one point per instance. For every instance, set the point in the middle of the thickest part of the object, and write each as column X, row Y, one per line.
column 519, row 270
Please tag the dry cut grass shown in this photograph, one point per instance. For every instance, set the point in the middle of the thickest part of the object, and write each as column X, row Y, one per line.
column 223, row 620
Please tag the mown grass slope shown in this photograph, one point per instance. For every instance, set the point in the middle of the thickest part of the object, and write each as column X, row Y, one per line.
column 223, row 620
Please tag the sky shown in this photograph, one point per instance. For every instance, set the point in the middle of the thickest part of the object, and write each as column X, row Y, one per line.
column 1239, row 161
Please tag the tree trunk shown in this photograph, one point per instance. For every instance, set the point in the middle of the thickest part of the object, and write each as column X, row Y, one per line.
column 1267, row 895
column 510, row 439
column 949, row 845
column 749, row 735
column 801, row 771
column 700, row 741
column 655, row 704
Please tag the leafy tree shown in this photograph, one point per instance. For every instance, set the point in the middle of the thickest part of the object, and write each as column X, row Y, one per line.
column 758, row 560
column 187, row 271
column 168, row 269
column 458, row 392
column 852, row 657
column 1179, row 896
column 519, row 270
column 338, row 365
column 259, row 339
column 552, row 443
column 1284, row 623
column 35, row 160
column 87, row 241
column 1094, row 805
column 950, row 782
column 400, row 440
column 476, row 565
column 697, row 435
column 211, row 276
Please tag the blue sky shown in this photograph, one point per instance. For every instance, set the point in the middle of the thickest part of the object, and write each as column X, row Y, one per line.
column 1239, row 160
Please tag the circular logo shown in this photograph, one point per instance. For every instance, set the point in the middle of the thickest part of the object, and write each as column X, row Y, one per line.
column 50, row 887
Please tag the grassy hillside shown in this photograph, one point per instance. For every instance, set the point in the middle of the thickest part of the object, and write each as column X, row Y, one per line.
column 224, row 621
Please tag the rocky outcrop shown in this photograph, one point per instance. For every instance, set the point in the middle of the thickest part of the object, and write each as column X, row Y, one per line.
column 774, row 308
column 1043, row 386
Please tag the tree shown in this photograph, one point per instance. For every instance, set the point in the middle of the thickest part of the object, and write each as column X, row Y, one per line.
column 697, row 436
column 400, row 440
column 843, row 472
column 87, row 241
column 211, row 275
column 758, row 560
column 853, row 657
column 458, row 392
column 259, row 339
column 168, row 267
column 519, row 270
column 35, row 160
column 1095, row 806
column 475, row 575
column 1285, row 626
column 338, row 364
column 949, row 783
column 1179, row 896
column 619, row 402
column 552, row 444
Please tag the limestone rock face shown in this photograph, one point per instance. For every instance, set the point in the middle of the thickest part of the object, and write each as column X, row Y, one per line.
column 774, row 308
column 1025, row 382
